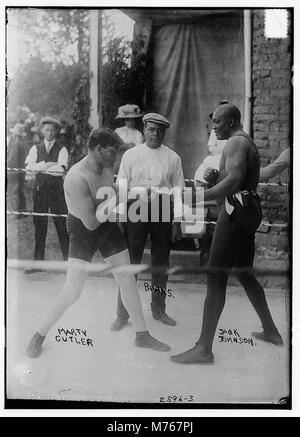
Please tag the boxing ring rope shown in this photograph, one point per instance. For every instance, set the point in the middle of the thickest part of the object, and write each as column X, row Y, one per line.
column 29, row 213
column 62, row 266
column 40, row 214
column 23, row 170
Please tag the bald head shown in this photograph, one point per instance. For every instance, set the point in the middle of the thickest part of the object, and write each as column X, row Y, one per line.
column 229, row 111
column 226, row 120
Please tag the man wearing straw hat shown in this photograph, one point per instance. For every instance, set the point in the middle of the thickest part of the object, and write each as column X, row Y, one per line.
column 49, row 160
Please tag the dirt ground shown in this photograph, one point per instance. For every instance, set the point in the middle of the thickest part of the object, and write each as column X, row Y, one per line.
column 112, row 369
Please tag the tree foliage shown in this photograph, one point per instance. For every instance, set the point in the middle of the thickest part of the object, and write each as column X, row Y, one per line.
column 116, row 79
column 55, row 78
column 45, row 88
column 54, row 35
column 122, row 83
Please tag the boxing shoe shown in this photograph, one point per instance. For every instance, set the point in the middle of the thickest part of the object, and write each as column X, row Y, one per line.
column 271, row 337
column 163, row 317
column 145, row 340
column 34, row 348
column 197, row 355
column 119, row 323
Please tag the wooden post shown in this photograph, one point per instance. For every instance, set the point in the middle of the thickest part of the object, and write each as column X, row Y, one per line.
column 100, row 95
column 95, row 68
column 248, row 71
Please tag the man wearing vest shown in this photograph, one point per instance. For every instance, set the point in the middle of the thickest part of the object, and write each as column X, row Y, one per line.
column 48, row 194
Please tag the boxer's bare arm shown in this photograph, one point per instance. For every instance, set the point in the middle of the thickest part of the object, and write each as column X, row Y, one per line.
column 235, row 151
column 79, row 200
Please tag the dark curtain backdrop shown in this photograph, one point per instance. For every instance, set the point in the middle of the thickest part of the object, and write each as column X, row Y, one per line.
column 194, row 66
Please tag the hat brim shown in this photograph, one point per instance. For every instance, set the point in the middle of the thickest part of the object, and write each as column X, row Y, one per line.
column 165, row 125
column 128, row 116
column 17, row 131
column 50, row 120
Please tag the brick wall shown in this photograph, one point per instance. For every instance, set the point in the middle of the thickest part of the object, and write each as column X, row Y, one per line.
column 271, row 118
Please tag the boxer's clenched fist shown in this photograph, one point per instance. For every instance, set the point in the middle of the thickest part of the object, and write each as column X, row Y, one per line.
column 211, row 175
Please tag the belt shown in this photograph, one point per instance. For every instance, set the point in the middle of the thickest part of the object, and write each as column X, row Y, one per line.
column 230, row 201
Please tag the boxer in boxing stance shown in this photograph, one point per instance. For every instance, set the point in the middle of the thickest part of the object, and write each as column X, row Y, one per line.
column 87, row 235
column 233, row 240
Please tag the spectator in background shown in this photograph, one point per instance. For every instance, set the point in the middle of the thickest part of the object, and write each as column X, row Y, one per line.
column 17, row 152
column 29, row 124
column 36, row 137
column 64, row 138
column 48, row 156
column 211, row 165
column 66, row 134
column 212, row 160
column 129, row 135
column 77, row 151
column 275, row 167
column 270, row 171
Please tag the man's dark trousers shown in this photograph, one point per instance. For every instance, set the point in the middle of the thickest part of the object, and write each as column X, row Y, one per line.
column 160, row 234
column 234, row 246
column 49, row 196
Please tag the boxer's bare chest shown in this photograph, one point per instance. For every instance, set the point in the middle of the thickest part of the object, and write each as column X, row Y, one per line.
column 95, row 179
column 99, row 180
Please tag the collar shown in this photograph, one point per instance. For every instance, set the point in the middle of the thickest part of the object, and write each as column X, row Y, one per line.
column 153, row 150
column 49, row 145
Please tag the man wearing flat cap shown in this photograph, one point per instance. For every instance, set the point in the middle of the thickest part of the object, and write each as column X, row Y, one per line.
column 50, row 160
column 157, row 169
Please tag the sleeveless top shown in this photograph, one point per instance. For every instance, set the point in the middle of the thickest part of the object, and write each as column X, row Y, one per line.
column 253, row 165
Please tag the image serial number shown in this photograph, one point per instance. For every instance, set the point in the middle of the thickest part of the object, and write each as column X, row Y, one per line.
column 174, row 399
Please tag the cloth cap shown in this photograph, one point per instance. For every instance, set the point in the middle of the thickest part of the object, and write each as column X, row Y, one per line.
column 18, row 129
column 50, row 120
column 129, row 111
column 156, row 118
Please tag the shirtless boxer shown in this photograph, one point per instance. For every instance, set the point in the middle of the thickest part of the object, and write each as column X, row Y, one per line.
column 233, row 240
column 88, row 234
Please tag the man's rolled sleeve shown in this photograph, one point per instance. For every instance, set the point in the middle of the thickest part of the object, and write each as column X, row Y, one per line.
column 63, row 158
column 177, row 176
column 178, row 185
column 275, row 167
column 30, row 161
